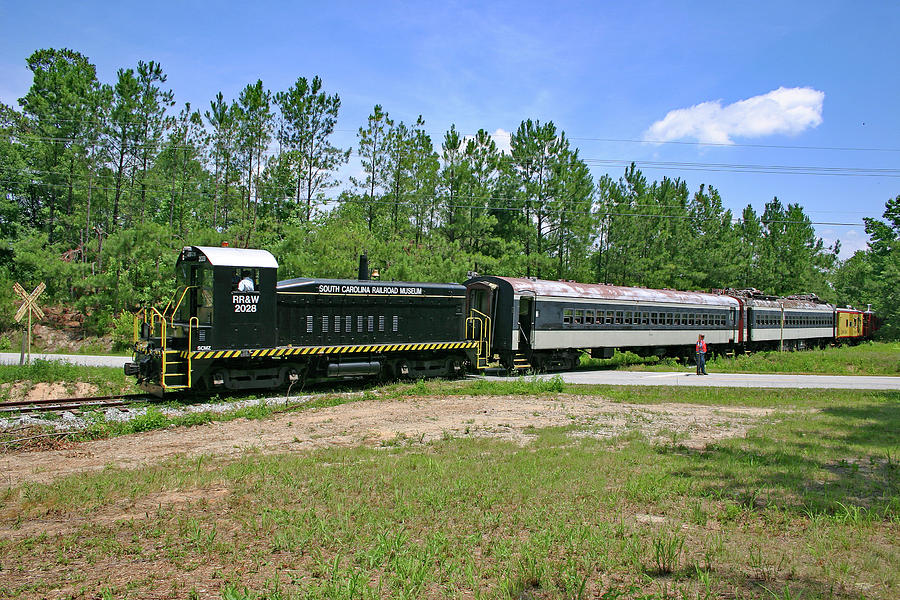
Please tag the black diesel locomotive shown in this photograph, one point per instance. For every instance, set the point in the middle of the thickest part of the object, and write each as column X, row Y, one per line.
column 230, row 324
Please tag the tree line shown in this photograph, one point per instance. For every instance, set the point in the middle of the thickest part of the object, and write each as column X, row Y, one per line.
column 102, row 183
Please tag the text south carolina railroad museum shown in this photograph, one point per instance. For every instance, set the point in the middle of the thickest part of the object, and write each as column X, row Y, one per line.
column 368, row 289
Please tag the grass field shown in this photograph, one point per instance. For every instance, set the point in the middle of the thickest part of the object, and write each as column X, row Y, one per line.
column 806, row 505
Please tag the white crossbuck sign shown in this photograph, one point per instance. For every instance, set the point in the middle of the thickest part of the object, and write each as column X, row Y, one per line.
column 29, row 303
column 29, row 307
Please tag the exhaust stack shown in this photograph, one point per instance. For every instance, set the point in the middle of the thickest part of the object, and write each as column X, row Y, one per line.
column 363, row 267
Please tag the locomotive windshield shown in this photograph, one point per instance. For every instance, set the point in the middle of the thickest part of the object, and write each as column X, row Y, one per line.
column 194, row 293
column 183, row 276
column 203, row 279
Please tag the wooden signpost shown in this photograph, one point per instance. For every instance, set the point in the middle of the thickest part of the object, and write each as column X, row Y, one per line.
column 29, row 307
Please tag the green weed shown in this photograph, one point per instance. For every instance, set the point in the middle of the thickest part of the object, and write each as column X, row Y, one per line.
column 667, row 548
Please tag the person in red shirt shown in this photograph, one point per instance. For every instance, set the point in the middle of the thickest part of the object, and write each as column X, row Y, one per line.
column 701, row 356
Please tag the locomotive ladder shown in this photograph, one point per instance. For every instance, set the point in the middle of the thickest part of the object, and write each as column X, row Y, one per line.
column 478, row 329
column 175, row 365
column 174, row 368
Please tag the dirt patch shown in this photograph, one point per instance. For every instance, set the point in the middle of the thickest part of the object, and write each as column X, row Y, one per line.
column 381, row 423
column 26, row 390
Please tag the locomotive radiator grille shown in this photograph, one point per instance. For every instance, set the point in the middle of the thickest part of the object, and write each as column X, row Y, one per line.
column 309, row 350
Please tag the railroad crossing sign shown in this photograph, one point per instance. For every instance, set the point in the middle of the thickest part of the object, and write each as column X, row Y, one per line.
column 30, row 301
column 29, row 307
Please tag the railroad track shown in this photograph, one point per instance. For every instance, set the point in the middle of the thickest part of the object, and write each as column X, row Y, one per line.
column 64, row 404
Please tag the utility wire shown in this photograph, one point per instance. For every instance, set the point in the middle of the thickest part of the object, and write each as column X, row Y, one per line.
column 463, row 136
column 643, row 164
column 99, row 178
column 425, row 209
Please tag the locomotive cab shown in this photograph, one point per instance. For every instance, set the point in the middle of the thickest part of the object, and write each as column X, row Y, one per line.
column 227, row 298
column 224, row 299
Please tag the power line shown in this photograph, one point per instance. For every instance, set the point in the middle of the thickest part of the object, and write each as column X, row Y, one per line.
column 193, row 182
column 486, row 208
column 736, row 145
column 644, row 164
column 507, row 135
column 754, row 166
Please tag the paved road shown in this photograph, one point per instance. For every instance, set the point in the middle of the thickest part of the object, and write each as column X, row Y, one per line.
column 12, row 358
column 726, row 380
column 604, row 377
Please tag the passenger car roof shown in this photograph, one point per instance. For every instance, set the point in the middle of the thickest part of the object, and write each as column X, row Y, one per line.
column 600, row 291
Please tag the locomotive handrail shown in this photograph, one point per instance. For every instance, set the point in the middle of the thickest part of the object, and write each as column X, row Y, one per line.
column 192, row 322
column 484, row 335
column 138, row 318
column 169, row 302
column 177, row 306
column 153, row 314
column 164, row 362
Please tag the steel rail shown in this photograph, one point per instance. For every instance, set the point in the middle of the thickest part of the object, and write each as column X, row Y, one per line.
column 62, row 404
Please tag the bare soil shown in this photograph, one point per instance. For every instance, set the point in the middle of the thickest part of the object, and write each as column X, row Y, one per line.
column 26, row 390
column 389, row 422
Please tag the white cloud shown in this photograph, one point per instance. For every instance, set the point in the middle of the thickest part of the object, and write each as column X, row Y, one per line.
column 851, row 240
column 785, row 110
column 501, row 137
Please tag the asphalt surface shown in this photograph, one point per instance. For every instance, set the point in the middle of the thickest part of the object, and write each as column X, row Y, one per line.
column 604, row 377
column 12, row 358
column 849, row 382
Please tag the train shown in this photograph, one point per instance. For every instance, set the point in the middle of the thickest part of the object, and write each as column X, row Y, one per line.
column 230, row 324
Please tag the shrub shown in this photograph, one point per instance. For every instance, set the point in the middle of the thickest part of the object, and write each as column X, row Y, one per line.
column 123, row 330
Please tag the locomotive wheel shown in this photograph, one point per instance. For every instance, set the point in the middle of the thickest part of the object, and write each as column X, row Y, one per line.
column 454, row 368
column 403, row 370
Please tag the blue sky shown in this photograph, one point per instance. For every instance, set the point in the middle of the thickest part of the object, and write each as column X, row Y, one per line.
column 601, row 71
